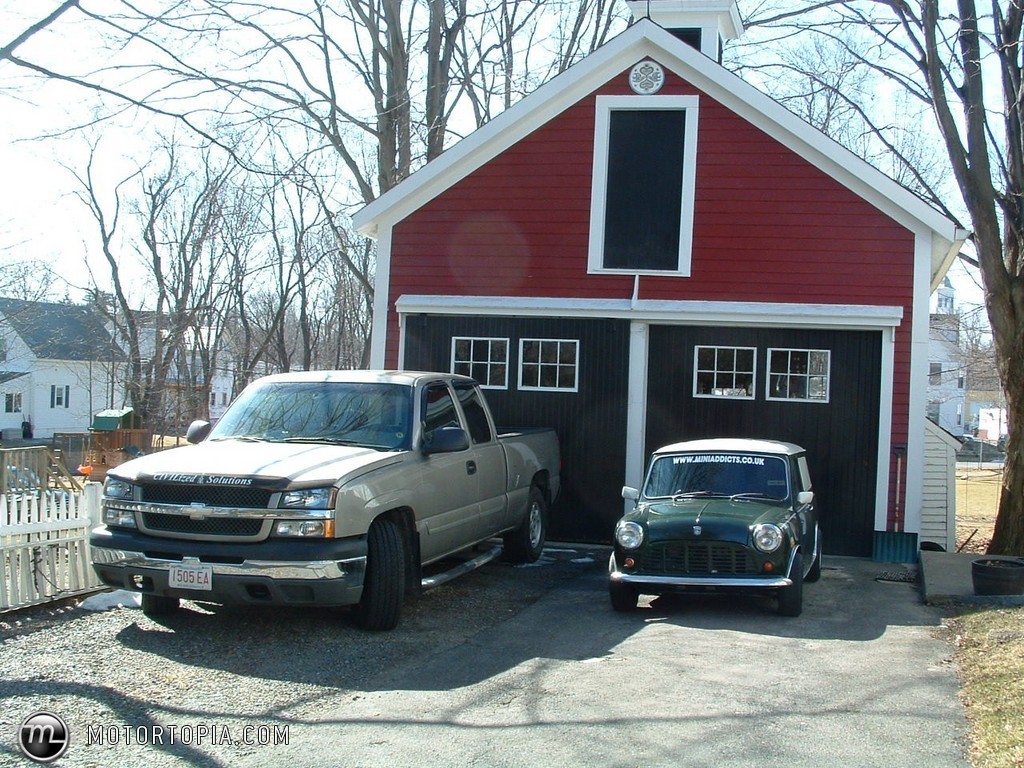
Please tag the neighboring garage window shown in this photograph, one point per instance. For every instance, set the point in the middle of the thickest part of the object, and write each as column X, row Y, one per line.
column 12, row 402
column 724, row 372
column 645, row 157
column 485, row 360
column 549, row 364
column 799, row 374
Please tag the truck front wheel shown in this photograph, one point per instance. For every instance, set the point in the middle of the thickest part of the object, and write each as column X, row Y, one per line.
column 158, row 605
column 525, row 543
column 380, row 607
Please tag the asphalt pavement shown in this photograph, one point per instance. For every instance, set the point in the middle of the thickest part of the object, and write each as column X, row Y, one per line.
column 862, row 678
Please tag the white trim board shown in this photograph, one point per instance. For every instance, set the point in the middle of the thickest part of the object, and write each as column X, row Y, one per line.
column 739, row 313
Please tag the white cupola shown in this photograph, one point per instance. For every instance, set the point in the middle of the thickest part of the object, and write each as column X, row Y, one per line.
column 704, row 24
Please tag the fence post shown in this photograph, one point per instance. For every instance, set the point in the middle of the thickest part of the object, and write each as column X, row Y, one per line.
column 91, row 502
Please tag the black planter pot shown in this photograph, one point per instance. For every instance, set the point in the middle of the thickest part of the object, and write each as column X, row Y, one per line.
column 998, row 576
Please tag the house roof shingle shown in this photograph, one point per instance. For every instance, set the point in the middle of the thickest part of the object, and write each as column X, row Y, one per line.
column 59, row 331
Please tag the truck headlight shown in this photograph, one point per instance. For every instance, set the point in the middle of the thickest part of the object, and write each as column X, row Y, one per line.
column 628, row 534
column 114, row 488
column 308, row 498
column 315, row 528
column 767, row 537
column 120, row 518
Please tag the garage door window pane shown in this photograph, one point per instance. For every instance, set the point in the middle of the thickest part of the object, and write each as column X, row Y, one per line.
column 484, row 359
column 725, row 372
column 799, row 375
column 549, row 364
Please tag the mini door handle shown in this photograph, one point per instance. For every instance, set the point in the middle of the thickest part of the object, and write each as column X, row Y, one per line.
column 470, row 467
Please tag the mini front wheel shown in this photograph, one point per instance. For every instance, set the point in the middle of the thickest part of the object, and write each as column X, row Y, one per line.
column 623, row 596
column 791, row 598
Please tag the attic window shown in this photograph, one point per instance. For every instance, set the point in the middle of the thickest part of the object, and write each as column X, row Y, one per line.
column 645, row 155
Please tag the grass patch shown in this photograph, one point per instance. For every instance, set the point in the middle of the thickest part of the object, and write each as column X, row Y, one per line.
column 990, row 655
column 989, row 639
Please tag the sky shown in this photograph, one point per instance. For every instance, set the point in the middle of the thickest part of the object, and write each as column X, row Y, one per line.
column 40, row 216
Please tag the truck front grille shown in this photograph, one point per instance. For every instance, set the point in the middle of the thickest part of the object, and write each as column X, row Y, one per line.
column 678, row 558
column 210, row 526
column 208, row 495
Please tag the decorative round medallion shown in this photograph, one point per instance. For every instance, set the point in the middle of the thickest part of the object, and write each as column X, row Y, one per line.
column 646, row 78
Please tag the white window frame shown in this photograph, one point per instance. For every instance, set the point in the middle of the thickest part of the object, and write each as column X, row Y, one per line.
column 576, row 365
column 15, row 400
column 697, row 370
column 828, row 376
column 605, row 106
column 490, row 361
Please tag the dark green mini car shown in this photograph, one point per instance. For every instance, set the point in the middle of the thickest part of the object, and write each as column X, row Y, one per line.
column 722, row 515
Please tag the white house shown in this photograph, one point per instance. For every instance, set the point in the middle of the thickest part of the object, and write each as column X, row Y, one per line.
column 57, row 365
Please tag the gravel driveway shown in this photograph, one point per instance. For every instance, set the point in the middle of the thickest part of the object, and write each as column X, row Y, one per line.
column 507, row 666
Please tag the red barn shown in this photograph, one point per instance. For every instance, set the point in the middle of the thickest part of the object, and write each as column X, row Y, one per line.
column 646, row 250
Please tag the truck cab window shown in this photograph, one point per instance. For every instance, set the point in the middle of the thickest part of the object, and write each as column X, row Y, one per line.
column 473, row 409
column 438, row 410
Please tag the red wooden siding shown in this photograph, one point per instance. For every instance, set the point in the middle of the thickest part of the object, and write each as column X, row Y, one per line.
column 768, row 227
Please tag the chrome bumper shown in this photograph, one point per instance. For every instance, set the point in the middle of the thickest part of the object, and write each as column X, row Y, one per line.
column 351, row 568
column 695, row 581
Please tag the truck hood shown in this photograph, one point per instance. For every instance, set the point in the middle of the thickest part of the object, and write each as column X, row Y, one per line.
column 263, row 464
column 717, row 519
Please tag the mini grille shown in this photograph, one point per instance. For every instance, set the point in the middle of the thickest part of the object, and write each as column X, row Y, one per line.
column 698, row 558
column 209, row 495
column 210, row 526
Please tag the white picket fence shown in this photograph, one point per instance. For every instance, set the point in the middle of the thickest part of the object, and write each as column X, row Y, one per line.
column 44, row 546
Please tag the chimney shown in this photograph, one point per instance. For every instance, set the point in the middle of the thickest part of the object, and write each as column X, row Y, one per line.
column 704, row 24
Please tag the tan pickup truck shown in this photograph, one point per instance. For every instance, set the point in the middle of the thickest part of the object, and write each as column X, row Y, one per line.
column 326, row 488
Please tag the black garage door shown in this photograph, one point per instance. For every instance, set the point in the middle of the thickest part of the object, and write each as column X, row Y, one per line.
column 590, row 417
column 841, row 435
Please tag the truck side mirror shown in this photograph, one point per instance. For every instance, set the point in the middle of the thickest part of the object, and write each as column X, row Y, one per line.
column 198, row 431
column 630, row 494
column 805, row 497
column 446, row 440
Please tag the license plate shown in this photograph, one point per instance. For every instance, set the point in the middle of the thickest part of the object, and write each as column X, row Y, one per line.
column 190, row 577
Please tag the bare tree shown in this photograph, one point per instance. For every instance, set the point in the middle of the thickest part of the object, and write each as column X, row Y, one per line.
column 172, row 229
column 964, row 64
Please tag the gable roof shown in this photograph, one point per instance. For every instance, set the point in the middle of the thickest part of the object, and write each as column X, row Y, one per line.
column 59, row 331
column 645, row 39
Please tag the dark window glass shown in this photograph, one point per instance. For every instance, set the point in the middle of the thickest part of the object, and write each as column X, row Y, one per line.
column 643, row 202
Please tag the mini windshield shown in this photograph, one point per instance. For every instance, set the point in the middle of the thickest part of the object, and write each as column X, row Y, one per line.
column 718, row 474
column 371, row 415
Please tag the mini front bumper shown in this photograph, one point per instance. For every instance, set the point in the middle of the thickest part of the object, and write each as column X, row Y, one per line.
column 669, row 583
column 329, row 573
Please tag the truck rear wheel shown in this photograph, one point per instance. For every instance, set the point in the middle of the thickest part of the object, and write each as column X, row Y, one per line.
column 525, row 543
column 380, row 607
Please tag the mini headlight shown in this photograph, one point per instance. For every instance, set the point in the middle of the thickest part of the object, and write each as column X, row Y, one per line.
column 767, row 537
column 308, row 498
column 118, row 489
column 628, row 534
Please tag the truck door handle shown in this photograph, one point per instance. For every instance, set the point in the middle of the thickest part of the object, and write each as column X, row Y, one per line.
column 470, row 467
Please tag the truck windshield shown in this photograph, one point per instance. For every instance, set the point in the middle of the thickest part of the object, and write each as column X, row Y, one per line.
column 371, row 415
column 718, row 474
